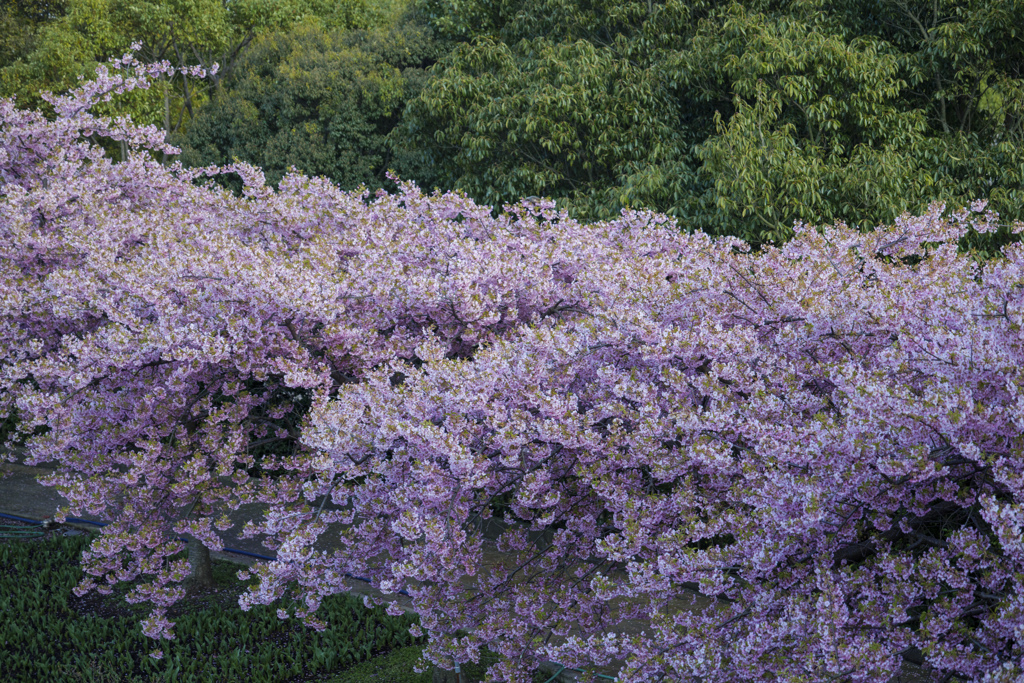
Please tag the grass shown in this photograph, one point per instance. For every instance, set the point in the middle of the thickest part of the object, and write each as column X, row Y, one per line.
column 394, row 666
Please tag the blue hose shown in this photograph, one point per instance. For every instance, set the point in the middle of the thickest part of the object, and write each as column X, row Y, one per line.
column 79, row 520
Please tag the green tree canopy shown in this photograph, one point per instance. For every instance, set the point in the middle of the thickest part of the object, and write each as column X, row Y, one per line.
column 558, row 98
column 323, row 101
column 737, row 117
column 855, row 114
column 569, row 120
column 56, row 52
column 19, row 25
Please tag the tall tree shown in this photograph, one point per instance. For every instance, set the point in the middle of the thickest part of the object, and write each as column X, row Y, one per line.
column 558, row 98
column 185, row 33
column 858, row 111
column 737, row 117
column 322, row 101
column 19, row 25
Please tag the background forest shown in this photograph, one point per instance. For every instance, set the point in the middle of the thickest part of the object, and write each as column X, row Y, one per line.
column 736, row 117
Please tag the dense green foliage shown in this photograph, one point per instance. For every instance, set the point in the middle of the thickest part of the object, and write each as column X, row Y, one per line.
column 51, row 635
column 739, row 117
column 19, row 25
column 50, row 44
column 323, row 101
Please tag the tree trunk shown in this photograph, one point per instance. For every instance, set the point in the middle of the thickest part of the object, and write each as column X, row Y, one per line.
column 167, row 124
column 441, row 676
column 201, row 578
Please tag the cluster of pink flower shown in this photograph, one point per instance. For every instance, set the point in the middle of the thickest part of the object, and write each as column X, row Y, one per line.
column 827, row 435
